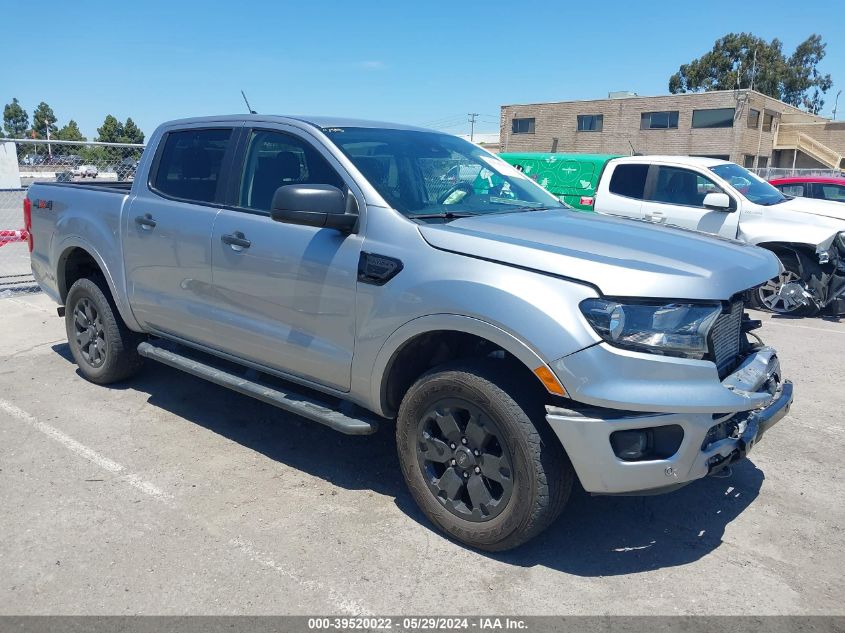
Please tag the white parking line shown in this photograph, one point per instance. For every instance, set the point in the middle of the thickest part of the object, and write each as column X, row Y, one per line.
column 340, row 602
column 351, row 607
column 803, row 327
column 83, row 451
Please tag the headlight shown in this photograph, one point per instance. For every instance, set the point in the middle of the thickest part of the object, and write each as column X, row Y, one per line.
column 675, row 329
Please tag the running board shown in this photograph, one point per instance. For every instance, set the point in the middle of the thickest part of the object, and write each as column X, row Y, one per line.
column 289, row 400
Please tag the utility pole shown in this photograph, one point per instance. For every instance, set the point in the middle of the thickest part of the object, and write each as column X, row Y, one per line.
column 835, row 104
column 472, row 116
column 47, row 126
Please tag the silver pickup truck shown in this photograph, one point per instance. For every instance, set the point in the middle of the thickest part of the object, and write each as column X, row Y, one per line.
column 336, row 269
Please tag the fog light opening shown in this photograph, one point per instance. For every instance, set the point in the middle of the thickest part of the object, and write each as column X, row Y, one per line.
column 636, row 445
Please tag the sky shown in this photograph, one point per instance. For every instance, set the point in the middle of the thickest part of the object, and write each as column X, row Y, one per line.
column 426, row 62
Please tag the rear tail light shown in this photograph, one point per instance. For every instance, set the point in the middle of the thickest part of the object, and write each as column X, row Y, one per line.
column 587, row 201
column 27, row 222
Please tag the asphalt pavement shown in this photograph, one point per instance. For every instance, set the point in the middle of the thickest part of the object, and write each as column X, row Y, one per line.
column 169, row 495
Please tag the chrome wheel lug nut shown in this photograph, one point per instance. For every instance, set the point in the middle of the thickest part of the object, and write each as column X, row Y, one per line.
column 466, row 474
column 463, row 440
column 454, row 462
column 477, row 470
column 452, row 446
column 476, row 453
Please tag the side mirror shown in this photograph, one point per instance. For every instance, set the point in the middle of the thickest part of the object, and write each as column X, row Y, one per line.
column 312, row 205
column 718, row 202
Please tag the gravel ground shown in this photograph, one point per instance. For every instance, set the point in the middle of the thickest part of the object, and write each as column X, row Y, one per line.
column 169, row 495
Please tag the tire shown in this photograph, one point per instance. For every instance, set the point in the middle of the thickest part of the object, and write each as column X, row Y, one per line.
column 512, row 442
column 796, row 267
column 101, row 344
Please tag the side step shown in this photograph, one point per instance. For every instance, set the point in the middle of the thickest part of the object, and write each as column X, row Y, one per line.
column 289, row 400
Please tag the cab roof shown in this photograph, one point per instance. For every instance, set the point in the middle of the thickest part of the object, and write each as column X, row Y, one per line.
column 322, row 122
column 699, row 161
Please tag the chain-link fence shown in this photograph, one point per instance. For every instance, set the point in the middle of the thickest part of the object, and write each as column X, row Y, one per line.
column 54, row 161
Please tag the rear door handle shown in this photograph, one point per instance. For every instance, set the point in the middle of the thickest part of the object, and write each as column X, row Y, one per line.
column 655, row 216
column 145, row 221
column 236, row 240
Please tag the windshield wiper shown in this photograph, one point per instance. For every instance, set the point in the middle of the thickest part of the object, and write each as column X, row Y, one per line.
column 444, row 215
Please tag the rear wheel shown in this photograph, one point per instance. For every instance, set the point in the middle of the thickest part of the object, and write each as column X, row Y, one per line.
column 478, row 456
column 101, row 344
column 785, row 294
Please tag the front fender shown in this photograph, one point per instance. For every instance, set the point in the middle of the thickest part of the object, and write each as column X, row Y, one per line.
column 448, row 322
column 816, row 233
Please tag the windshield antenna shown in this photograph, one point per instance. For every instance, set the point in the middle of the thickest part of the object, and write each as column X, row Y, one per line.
column 246, row 101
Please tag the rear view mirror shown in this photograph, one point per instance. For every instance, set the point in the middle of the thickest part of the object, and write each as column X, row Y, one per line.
column 312, row 205
column 718, row 202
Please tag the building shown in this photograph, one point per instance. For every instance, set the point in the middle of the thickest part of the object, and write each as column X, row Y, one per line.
column 744, row 126
column 487, row 140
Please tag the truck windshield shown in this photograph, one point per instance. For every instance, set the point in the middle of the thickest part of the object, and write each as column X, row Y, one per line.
column 748, row 185
column 429, row 175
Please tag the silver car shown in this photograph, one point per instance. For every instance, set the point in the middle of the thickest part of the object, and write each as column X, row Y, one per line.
column 515, row 344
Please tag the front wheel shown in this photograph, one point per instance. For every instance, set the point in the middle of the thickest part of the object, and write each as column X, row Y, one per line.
column 786, row 293
column 478, row 456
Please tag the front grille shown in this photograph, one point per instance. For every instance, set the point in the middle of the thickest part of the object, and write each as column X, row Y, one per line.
column 725, row 339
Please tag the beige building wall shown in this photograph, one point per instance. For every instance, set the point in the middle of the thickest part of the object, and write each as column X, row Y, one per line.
column 621, row 133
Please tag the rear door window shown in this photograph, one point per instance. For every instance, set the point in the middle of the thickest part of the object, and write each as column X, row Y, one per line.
column 190, row 163
column 831, row 192
column 629, row 180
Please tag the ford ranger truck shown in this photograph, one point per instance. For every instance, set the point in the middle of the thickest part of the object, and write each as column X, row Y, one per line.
column 722, row 198
column 334, row 269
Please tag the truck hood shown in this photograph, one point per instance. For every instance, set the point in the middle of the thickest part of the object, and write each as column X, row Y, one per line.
column 622, row 258
column 813, row 206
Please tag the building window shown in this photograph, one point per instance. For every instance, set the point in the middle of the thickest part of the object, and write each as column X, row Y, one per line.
column 748, row 161
column 762, row 162
column 767, row 122
column 753, row 119
column 717, row 117
column 590, row 122
column 659, row 120
column 522, row 126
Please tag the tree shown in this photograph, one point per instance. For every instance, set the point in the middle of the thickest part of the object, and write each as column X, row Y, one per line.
column 743, row 60
column 70, row 132
column 15, row 120
column 42, row 120
column 131, row 132
column 111, row 130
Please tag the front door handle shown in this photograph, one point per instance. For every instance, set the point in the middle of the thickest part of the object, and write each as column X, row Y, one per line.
column 236, row 240
column 655, row 216
column 145, row 221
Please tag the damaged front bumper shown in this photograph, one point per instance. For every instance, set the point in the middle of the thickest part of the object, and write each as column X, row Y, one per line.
column 629, row 452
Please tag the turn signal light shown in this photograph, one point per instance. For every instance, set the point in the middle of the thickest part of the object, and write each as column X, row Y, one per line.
column 550, row 381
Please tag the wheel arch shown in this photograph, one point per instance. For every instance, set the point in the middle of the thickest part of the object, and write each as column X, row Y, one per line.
column 429, row 341
column 78, row 259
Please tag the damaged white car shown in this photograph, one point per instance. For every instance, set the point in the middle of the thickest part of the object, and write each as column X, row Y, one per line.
column 722, row 198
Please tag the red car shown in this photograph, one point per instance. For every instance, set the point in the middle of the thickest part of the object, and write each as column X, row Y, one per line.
column 812, row 187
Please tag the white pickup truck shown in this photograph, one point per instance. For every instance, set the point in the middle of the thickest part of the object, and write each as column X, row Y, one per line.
column 722, row 198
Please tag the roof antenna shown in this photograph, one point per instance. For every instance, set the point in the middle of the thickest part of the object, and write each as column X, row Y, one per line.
column 633, row 151
column 246, row 101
